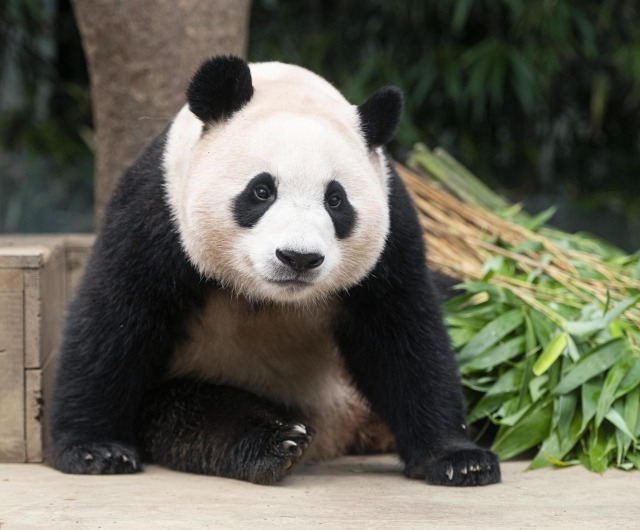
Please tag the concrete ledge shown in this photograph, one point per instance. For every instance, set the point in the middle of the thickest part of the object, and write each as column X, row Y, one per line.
column 351, row 492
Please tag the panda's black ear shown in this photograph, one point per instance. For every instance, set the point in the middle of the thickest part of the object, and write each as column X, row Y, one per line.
column 220, row 87
column 379, row 116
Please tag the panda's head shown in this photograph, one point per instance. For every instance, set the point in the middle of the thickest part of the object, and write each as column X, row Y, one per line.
column 279, row 185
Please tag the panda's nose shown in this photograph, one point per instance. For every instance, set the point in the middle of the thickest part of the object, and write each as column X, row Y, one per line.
column 300, row 261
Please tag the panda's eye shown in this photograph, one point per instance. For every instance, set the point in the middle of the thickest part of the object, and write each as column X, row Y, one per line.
column 334, row 201
column 337, row 205
column 262, row 192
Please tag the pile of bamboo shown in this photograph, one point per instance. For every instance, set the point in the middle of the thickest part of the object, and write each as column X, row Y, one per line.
column 457, row 214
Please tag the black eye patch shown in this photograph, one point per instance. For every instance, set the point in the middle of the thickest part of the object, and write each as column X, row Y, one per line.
column 339, row 209
column 253, row 202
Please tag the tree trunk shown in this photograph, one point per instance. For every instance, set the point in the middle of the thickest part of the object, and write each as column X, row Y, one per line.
column 140, row 55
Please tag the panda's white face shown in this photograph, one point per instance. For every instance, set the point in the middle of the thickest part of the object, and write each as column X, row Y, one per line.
column 283, row 202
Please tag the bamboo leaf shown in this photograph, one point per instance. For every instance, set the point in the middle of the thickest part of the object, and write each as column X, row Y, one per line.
column 581, row 328
column 495, row 356
column 460, row 336
column 552, row 351
column 545, row 456
column 634, row 459
column 540, row 219
column 600, row 445
column 619, row 308
column 614, row 417
column 557, row 445
column 611, row 383
column 542, row 327
column 508, row 383
column 527, row 433
column 584, row 328
column 493, row 332
column 572, row 349
column 631, row 380
column 599, row 360
column 536, row 389
column 475, row 324
column 494, row 291
column 564, row 410
column 632, row 411
column 590, row 394
column 511, row 411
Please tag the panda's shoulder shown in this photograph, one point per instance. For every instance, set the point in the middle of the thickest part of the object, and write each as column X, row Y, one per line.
column 140, row 182
column 404, row 250
column 138, row 223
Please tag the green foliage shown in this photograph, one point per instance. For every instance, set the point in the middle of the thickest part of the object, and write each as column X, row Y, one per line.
column 537, row 97
column 45, row 120
column 575, row 393
column 548, row 339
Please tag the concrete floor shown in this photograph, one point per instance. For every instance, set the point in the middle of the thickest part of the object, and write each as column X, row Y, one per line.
column 352, row 492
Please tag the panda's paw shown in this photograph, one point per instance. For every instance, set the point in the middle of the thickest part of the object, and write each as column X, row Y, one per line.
column 98, row 458
column 285, row 446
column 463, row 465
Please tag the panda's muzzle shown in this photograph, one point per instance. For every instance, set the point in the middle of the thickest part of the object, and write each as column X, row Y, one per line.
column 300, row 261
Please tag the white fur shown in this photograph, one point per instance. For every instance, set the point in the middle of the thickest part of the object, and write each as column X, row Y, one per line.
column 286, row 354
column 298, row 128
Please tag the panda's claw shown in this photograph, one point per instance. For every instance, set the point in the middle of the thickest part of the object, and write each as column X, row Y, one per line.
column 292, row 447
column 97, row 458
column 449, row 472
column 459, row 465
column 289, row 443
column 299, row 428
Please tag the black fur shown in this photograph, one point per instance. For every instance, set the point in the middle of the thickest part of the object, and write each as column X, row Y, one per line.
column 219, row 88
column 396, row 347
column 343, row 215
column 129, row 315
column 248, row 206
column 223, row 431
column 126, row 318
column 380, row 115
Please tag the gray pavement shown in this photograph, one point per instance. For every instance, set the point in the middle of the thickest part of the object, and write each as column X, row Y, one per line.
column 351, row 492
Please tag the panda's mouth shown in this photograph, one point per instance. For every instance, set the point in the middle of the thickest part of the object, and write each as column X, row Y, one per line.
column 293, row 283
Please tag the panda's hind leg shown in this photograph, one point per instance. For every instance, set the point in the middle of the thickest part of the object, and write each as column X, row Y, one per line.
column 200, row 427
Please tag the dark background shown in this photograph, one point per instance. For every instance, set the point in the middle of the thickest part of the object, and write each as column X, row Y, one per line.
column 540, row 99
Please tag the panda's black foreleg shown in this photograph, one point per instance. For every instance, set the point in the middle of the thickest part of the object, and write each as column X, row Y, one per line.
column 127, row 316
column 401, row 361
column 391, row 334
column 210, row 429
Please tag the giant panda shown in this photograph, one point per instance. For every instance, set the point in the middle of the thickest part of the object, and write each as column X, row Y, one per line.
column 258, row 296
